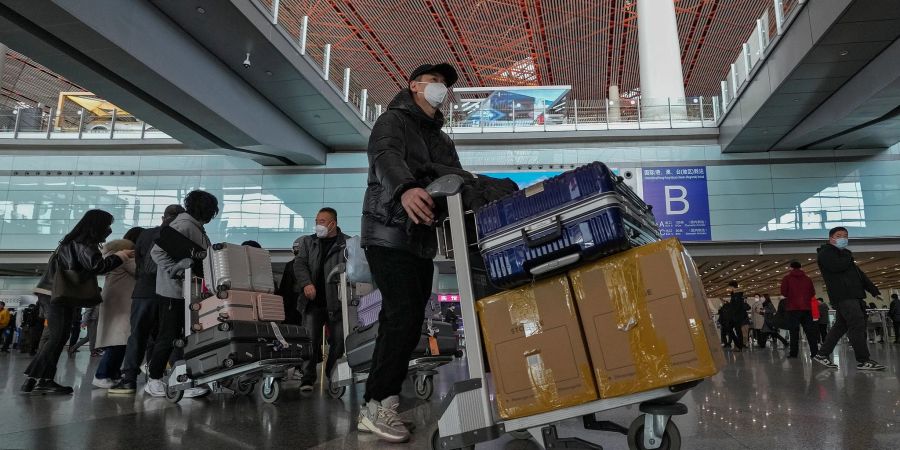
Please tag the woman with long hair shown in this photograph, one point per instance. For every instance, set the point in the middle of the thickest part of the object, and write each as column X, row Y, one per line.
column 78, row 251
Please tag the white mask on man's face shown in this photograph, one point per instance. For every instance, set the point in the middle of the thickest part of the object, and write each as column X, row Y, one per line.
column 434, row 93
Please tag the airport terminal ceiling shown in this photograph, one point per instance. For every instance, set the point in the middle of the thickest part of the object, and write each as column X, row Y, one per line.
column 589, row 44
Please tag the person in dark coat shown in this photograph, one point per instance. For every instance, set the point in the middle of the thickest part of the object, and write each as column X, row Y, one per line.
column 79, row 251
column 798, row 290
column 847, row 286
column 725, row 327
column 770, row 328
column 146, row 306
column 317, row 256
column 894, row 315
column 823, row 319
column 738, row 313
column 289, row 291
column 403, row 140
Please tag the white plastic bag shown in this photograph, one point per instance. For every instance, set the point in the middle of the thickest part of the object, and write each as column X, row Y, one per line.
column 357, row 266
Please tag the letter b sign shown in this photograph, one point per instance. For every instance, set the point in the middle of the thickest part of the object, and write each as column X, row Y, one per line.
column 676, row 200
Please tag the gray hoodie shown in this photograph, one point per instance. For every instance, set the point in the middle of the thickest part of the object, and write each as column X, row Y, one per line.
column 169, row 270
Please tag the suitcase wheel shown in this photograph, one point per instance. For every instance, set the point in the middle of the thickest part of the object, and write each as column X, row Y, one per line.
column 222, row 292
column 179, row 343
column 228, row 363
column 195, row 307
column 218, row 247
column 224, row 326
column 197, row 327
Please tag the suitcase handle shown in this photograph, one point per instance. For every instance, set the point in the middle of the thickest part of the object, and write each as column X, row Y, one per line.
column 550, row 238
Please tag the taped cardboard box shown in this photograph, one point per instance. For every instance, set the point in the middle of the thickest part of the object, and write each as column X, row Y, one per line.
column 645, row 320
column 535, row 348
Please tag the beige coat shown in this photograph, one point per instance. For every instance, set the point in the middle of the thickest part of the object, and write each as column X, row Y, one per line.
column 114, row 326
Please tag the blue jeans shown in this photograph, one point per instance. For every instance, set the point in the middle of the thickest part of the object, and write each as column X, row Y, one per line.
column 111, row 363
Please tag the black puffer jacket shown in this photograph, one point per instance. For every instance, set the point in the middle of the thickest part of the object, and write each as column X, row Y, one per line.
column 403, row 140
column 843, row 279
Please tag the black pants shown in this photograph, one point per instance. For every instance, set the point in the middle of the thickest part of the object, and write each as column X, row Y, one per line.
column 59, row 327
column 314, row 319
column 76, row 328
column 405, row 284
column 737, row 335
column 823, row 331
column 797, row 319
column 725, row 330
column 776, row 336
column 896, row 330
column 111, row 363
column 165, row 317
column 851, row 320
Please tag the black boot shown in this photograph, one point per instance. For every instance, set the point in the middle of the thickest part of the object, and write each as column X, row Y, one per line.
column 50, row 387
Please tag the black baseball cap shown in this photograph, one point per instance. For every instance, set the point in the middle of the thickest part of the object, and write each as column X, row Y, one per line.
column 443, row 68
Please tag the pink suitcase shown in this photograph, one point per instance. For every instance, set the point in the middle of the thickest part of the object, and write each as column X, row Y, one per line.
column 238, row 305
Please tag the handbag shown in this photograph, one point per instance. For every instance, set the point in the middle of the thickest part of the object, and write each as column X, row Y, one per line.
column 70, row 289
column 357, row 265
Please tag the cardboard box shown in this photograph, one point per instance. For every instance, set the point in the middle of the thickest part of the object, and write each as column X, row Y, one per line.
column 645, row 320
column 535, row 349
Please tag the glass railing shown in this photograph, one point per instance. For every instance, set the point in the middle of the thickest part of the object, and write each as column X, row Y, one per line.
column 40, row 123
column 771, row 24
column 574, row 115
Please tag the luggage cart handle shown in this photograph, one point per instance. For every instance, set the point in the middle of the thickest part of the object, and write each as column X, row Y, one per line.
column 550, row 238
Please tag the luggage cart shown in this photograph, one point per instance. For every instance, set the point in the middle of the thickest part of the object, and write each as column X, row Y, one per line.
column 467, row 415
column 240, row 380
column 421, row 370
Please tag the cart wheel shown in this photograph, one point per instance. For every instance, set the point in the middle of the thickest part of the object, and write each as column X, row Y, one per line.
column 270, row 394
column 520, row 435
column 173, row 395
column 336, row 391
column 671, row 439
column 245, row 387
column 424, row 387
column 436, row 440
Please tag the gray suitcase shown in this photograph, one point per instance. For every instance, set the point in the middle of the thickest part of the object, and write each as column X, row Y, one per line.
column 237, row 267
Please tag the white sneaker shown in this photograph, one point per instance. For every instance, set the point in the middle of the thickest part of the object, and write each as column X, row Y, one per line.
column 103, row 383
column 196, row 392
column 155, row 388
column 382, row 419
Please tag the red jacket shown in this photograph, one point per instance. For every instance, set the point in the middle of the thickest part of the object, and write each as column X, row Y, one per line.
column 797, row 289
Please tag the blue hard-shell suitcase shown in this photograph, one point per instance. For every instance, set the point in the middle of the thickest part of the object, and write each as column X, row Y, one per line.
column 582, row 214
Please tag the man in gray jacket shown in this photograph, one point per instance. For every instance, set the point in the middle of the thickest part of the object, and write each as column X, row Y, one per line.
column 201, row 208
column 318, row 303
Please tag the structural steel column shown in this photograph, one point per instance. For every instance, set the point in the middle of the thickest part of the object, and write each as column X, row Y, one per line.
column 660, row 60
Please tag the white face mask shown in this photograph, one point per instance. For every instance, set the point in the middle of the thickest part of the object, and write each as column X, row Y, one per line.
column 321, row 231
column 435, row 93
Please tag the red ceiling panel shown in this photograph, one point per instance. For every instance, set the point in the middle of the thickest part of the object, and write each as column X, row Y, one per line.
column 589, row 44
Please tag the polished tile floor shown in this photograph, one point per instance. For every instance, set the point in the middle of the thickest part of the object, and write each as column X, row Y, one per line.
column 760, row 401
